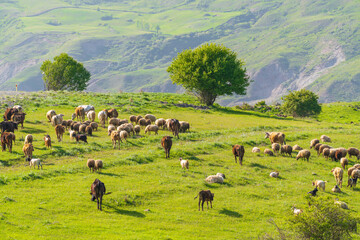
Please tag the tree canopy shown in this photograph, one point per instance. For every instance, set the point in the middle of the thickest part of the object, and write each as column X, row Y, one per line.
column 65, row 73
column 209, row 71
column 301, row 103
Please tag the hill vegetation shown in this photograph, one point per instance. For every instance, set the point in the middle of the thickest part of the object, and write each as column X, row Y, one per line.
column 127, row 45
column 152, row 197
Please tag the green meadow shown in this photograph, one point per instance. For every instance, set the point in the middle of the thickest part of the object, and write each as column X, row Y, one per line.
column 151, row 196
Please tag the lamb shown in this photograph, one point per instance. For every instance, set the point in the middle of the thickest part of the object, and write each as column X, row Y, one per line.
column 57, row 120
column 160, row 122
column 123, row 135
column 276, row 137
column 6, row 141
column 205, row 195
column 110, row 129
column 88, row 130
column 152, row 128
column 238, row 151
column 81, row 137
column 297, row 148
column 102, row 116
column 314, row 142
column 268, row 152
column 34, row 162
column 286, row 149
column 94, row 126
column 91, row 164
column 80, row 113
column 184, row 126
column 336, row 189
column 341, row 204
column 296, row 211
column 166, row 143
column 353, row 152
column 319, row 184
column 344, row 162
column 303, row 154
column 325, row 138
column 28, row 150
column 98, row 165
column 313, row 192
column 97, row 191
column 115, row 136
column 50, row 114
column 91, row 115
column 255, row 150
column 132, row 119
column 275, row 147
column 137, row 129
column 184, row 163
column 59, row 130
column 218, row 178
column 28, row 139
column 274, row 174
column 47, row 141
column 338, row 174
column 151, row 117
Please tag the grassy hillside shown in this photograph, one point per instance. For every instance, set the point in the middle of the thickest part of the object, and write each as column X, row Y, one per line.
column 127, row 45
column 55, row 202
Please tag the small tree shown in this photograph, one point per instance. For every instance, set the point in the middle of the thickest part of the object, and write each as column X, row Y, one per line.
column 301, row 103
column 209, row 71
column 65, row 73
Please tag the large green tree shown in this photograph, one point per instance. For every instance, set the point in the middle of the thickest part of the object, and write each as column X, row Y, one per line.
column 209, row 71
column 65, row 73
column 301, row 103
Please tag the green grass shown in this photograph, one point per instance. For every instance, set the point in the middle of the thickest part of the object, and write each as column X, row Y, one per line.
column 55, row 202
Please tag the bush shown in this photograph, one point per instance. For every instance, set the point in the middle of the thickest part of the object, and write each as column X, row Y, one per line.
column 301, row 103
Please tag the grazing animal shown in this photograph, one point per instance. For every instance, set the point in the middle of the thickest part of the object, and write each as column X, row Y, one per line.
column 275, row 147
column 322, row 148
column 268, row 152
column 142, row 122
column 112, row 113
column 274, row 174
column 6, row 141
column 175, row 127
column 160, row 123
column 7, row 126
column 344, row 162
column 338, row 174
column 286, row 149
column 352, row 182
column 326, row 153
column 297, row 148
column 12, row 137
column 81, row 137
column 102, row 116
column 110, row 129
column 28, row 139
column 80, row 113
column 115, row 136
column 336, row 189
column 8, row 113
column 59, row 130
column 353, row 152
column 87, row 108
column 124, row 135
column 314, row 142
column 313, row 192
column 255, row 150
column 184, row 126
column 94, row 126
column 28, row 150
column 276, row 137
column 338, row 155
column 325, row 138
column 296, row 211
column 138, row 118
column 73, row 116
column 304, row 154
column 97, row 191
column 151, row 117
column 91, row 115
column 91, row 164
column 184, row 163
column 88, row 130
column 98, row 165
column 166, row 143
column 34, row 162
column 205, row 195
column 238, row 151
column 47, row 140
column 82, row 128
column 355, row 173
column 137, row 129
column 341, row 204
column 218, row 178
column 19, row 118
column 57, row 119
column 319, row 184
column 152, row 128
column 148, row 122
column 132, row 119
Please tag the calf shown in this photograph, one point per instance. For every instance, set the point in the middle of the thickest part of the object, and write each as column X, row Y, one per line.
column 166, row 143
column 205, row 195
column 28, row 150
column 97, row 191
column 174, row 127
column 6, row 140
column 238, row 151
column 81, row 137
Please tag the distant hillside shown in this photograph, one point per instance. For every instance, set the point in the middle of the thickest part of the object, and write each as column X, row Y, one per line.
column 127, row 45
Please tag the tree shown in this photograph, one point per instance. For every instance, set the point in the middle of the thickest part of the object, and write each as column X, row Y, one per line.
column 65, row 73
column 301, row 103
column 209, row 71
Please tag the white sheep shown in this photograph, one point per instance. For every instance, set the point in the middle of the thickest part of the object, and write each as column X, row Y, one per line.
column 255, row 150
column 184, row 164
column 325, row 138
column 152, row 128
column 344, row 162
column 338, row 174
column 215, row 179
column 275, row 147
column 102, row 116
column 124, row 135
column 57, row 119
column 35, row 162
column 296, row 211
column 274, row 174
column 319, row 184
column 50, row 114
column 304, row 154
column 28, row 139
column 151, row 117
column 110, row 129
column 297, row 148
column 91, row 115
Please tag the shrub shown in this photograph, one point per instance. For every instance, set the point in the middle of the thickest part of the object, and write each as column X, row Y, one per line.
column 301, row 103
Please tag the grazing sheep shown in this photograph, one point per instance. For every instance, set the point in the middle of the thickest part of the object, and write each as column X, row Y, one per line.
column 82, row 128
column 275, row 147
column 19, row 118
column 72, row 134
column 123, row 135
column 274, row 174
column 98, row 165
column 357, row 166
column 344, row 162
column 87, row 108
column 336, row 189
column 352, row 182
column 343, row 151
column 238, row 151
column 138, row 118
column 148, row 122
column 102, row 116
column 297, row 148
column 110, row 129
column 97, row 191
column 81, row 137
column 50, row 114
column 286, row 149
column 91, row 164
column 73, row 116
column 317, row 147
column 57, row 120
column 91, row 115
column 166, row 143
column 152, row 128
column 335, row 154
column 94, row 126
column 115, row 136
column 338, row 174
column 6, row 141
column 12, row 136
column 75, row 126
column 160, row 123
column 59, row 130
column 80, row 113
column 355, row 174
column 325, row 138
column 304, row 154
column 218, row 178
column 205, row 196
column 34, row 162
column 313, row 192
column 132, row 119
column 255, row 150
column 322, row 147
column 112, row 113
column 47, row 140
column 184, row 126
column 319, row 184
column 268, row 152
column 353, row 152
column 7, row 126
column 142, row 122
column 151, row 117
column 126, row 127
column 167, row 123
column 89, row 130
column 65, row 124
column 350, row 170
column 28, row 150
column 28, row 139
column 314, row 142
column 276, row 137
column 341, row 204
column 184, row 164
column 137, row 129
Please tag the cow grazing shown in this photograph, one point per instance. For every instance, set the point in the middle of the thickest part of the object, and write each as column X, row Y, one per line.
column 205, row 195
column 238, row 151
column 97, row 191
column 6, row 141
column 166, row 143
column 59, row 130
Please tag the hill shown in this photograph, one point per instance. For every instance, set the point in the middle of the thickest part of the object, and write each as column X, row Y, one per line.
column 151, row 196
column 127, row 45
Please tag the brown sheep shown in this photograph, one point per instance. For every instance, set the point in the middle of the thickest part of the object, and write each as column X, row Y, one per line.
column 94, row 126
column 137, row 129
column 98, row 165
column 337, row 156
column 152, row 128
column 28, row 139
column 91, row 164
column 112, row 113
column 286, row 149
column 353, row 152
column 338, row 174
column 326, row 153
column 184, row 126
column 110, row 129
column 6, row 141
column 317, row 147
column 151, row 117
column 88, row 130
column 325, row 138
column 124, row 135
column 80, row 113
column 138, row 118
column 132, row 119
column 322, row 147
column 350, row 170
column 148, row 122
column 97, row 191
column 276, row 137
column 344, row 162
column 114, row 121
column 82, row 128
column 238, row 151
column 28, row 150
column 59, row 130
column 65, row 124
column 8, row 113
column 91, row 115
column 160, row 123
column 314, row 142
column 47, row 141
column 275, row 147
column 304, row 154
column 142, row 122
column 268, row 152
column 166, row 143
column 115, row 136
column 57, row 119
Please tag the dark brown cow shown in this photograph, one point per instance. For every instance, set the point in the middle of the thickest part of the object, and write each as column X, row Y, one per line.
column 166, row 143
column 205, row 195
column 6, row 140
column 8, row 113
column 174, row 127
column 8, row 126
column 97, row 191
column 19, row 118
column 238, row 151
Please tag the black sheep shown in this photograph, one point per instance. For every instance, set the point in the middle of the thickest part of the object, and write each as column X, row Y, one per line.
column 313, row 192
column 81, row 137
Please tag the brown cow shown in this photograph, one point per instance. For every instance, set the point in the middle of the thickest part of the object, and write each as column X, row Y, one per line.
column 59, row 130
column 166, row 143
column 238, row 151
column 8, row 113
column 18, row 118
column 174, row 127
column 6, row 140
column 97, row 191
column 205, row 195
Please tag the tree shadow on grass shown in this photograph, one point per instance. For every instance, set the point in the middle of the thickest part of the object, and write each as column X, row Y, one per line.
column 4, row 163
column 230, row 213
column 258, row 165
column 126, row 212
column 109, row 174
column 32, row 130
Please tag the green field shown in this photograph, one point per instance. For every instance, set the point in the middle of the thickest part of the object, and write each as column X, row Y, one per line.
column 54, row 203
